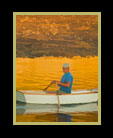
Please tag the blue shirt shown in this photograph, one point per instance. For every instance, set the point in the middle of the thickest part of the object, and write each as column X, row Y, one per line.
column 67, row 77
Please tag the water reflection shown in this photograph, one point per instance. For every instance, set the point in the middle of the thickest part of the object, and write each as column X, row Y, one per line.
column 62, row 117
column 52, row 113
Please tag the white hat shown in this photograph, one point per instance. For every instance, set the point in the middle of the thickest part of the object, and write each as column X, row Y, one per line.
column 65, row 65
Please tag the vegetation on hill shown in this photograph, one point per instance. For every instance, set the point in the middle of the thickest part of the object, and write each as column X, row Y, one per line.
column 57, row 36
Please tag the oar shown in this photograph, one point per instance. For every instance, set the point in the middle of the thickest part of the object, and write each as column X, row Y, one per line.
column 57, row 95
column 47, row 86
column 58, row 102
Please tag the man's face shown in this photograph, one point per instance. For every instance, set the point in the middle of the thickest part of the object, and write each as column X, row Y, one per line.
column 65, row 70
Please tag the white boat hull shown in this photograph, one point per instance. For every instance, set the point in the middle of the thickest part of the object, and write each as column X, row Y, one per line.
column 39, row 97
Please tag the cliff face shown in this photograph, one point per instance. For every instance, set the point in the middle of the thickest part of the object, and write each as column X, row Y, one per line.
column 56, row 36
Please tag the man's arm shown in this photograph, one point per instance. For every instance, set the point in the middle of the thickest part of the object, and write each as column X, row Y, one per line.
column 67, row 84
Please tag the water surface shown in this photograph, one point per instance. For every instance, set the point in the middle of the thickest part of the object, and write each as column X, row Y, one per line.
column 53, row 113
column 37, row 73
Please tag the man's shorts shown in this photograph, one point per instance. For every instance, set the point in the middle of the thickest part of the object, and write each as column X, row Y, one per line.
column 59, row 92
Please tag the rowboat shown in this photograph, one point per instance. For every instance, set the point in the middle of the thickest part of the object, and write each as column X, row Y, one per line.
column 41, row 97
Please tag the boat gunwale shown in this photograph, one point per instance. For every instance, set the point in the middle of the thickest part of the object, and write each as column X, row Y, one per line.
column 48, row 94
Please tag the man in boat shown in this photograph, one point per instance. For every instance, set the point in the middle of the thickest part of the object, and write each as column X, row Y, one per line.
column 66, row 81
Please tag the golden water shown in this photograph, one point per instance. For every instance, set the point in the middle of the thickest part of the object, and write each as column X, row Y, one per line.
column 37, row 73
column 54, row 117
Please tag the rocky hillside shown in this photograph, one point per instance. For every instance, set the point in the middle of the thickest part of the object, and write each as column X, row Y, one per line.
column 56, row 36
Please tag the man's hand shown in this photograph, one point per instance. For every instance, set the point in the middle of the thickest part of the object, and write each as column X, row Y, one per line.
column 63, row 84
column 57, row 82
column 67, row 84
column 53, row 81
